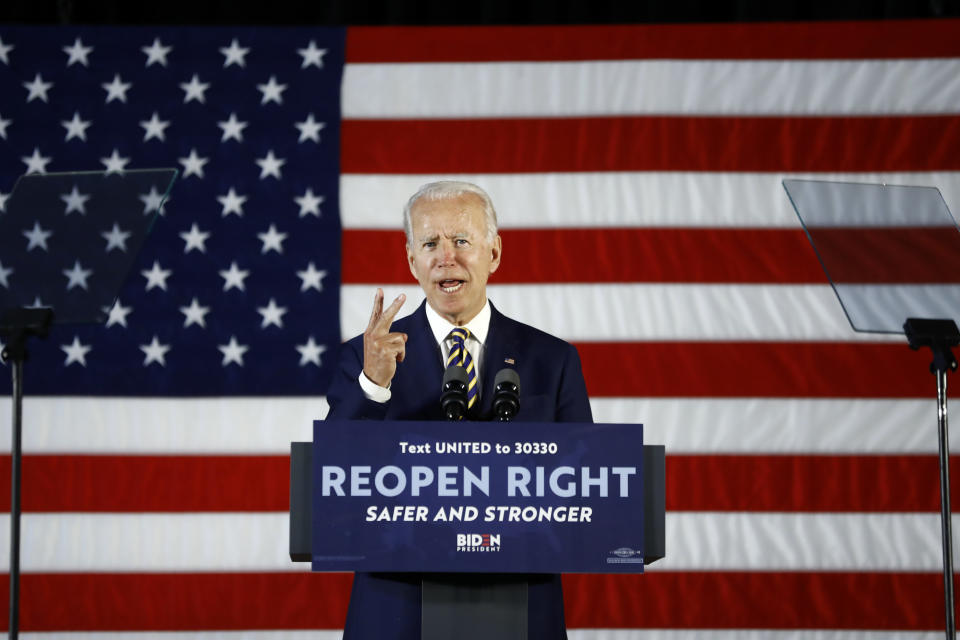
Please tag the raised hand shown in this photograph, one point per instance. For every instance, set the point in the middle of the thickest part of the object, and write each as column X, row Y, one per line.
column 382, row 350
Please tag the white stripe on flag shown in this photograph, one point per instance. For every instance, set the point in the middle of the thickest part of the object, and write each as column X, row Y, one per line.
column 700, row 541
column 572, row 634
column 266, row 426
column 619, row 199
column 702, row 87
column 598, row 312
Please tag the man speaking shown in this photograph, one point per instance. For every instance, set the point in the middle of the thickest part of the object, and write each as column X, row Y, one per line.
column 395, row 370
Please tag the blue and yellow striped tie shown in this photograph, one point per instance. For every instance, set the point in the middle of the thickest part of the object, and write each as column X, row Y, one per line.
column 460, row 356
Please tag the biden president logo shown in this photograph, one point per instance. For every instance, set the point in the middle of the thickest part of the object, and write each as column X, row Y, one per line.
column 478, row 542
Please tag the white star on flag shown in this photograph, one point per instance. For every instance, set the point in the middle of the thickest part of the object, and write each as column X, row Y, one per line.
column 311, row 278
column 116, row 238
column 232, row 203
column 156, row 52
column 156, row 276
column 37, row 89
column 272, row 91
column 76, row 128
column 195, row 314
column 310, row 352
column 309, row 203
column 195, row 239
column 195, row 90
column 312, row 55
column 115, row 163
column 118, row 314
column 76, row 352
column 75, row 201
column 309, row 129
column 155, row 352
column 36, row 163
column 117, row 89
column 233, row 352
column 151, row 201
column 232, row 128
column 3, row 201
column 77, row 276
column 154, row 128
column 270, row 165
column 5, row 50
column 37, row 237
column 193, row 164
column 78, row 53
column 233, row 277
column 234, row 54
column 5, row 273
column 272, row 240
column 272, row 314
column 3, row 127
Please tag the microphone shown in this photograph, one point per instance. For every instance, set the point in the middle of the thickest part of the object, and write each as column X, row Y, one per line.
column 453, row 394
column 506, row 394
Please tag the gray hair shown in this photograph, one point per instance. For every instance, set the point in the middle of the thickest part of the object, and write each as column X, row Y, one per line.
column 448, row 189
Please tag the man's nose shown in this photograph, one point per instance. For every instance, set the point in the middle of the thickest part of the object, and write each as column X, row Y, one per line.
column 447, row 254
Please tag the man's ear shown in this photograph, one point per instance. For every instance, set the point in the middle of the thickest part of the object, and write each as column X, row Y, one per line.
column 495, row 250
column 410, row 262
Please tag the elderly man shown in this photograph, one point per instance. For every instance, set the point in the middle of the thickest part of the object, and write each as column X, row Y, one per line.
column 395, row 369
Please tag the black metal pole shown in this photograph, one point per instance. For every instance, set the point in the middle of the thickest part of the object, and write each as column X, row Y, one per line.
column 16, row 450
column 945, row 524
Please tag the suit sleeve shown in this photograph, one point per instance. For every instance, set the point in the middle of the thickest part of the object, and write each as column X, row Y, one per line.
column 573, row 404
column 345, row 397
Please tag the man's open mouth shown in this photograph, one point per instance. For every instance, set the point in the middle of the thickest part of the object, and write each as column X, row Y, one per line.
column 450, row 286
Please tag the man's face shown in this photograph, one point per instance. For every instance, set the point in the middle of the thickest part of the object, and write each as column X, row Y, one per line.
column 450, row 255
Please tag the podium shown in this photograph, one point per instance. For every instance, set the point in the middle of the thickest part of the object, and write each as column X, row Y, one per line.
column 475, row 584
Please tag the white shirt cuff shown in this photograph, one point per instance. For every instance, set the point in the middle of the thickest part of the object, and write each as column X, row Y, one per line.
column 372, row 390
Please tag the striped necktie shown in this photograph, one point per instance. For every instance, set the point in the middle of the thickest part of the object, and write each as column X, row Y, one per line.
column 460, row 356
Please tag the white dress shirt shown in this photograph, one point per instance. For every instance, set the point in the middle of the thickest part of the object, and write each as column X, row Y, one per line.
column 441, row 328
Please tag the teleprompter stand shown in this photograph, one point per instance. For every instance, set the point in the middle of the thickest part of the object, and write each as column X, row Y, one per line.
column 54, row 269
column 941, row 336
column 16, row 326
column 892, row 254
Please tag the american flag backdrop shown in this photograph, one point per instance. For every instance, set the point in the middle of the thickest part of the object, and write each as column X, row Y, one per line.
column 636, row 171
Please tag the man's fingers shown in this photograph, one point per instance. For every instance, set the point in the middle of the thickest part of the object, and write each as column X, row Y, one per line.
column 386, row 319
column 392, row 342
column 377, row 308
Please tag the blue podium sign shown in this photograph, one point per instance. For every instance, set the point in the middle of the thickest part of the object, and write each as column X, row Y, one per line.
column 477, row 497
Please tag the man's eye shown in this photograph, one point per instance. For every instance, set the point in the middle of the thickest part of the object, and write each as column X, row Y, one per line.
column 462, row 242
column 429, row 245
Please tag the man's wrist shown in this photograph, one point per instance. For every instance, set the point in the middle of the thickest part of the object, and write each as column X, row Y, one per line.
column 372, row 390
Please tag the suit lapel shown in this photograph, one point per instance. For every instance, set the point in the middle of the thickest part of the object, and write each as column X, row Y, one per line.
column 499, row 346
column 422, row 366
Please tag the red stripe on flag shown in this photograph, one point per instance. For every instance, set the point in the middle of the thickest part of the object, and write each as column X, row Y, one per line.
column 654, row 143
column 180, row 602
column 765, row 600
column 798, row 483
column 804, row 483
column 694, row 255
column 166, row 483
column 903, row 255
column 756, row 369
column 811, row 40
column 295, row 600
column 610, row 255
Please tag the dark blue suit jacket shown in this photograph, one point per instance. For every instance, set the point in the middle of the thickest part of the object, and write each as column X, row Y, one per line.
column 552, row 390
